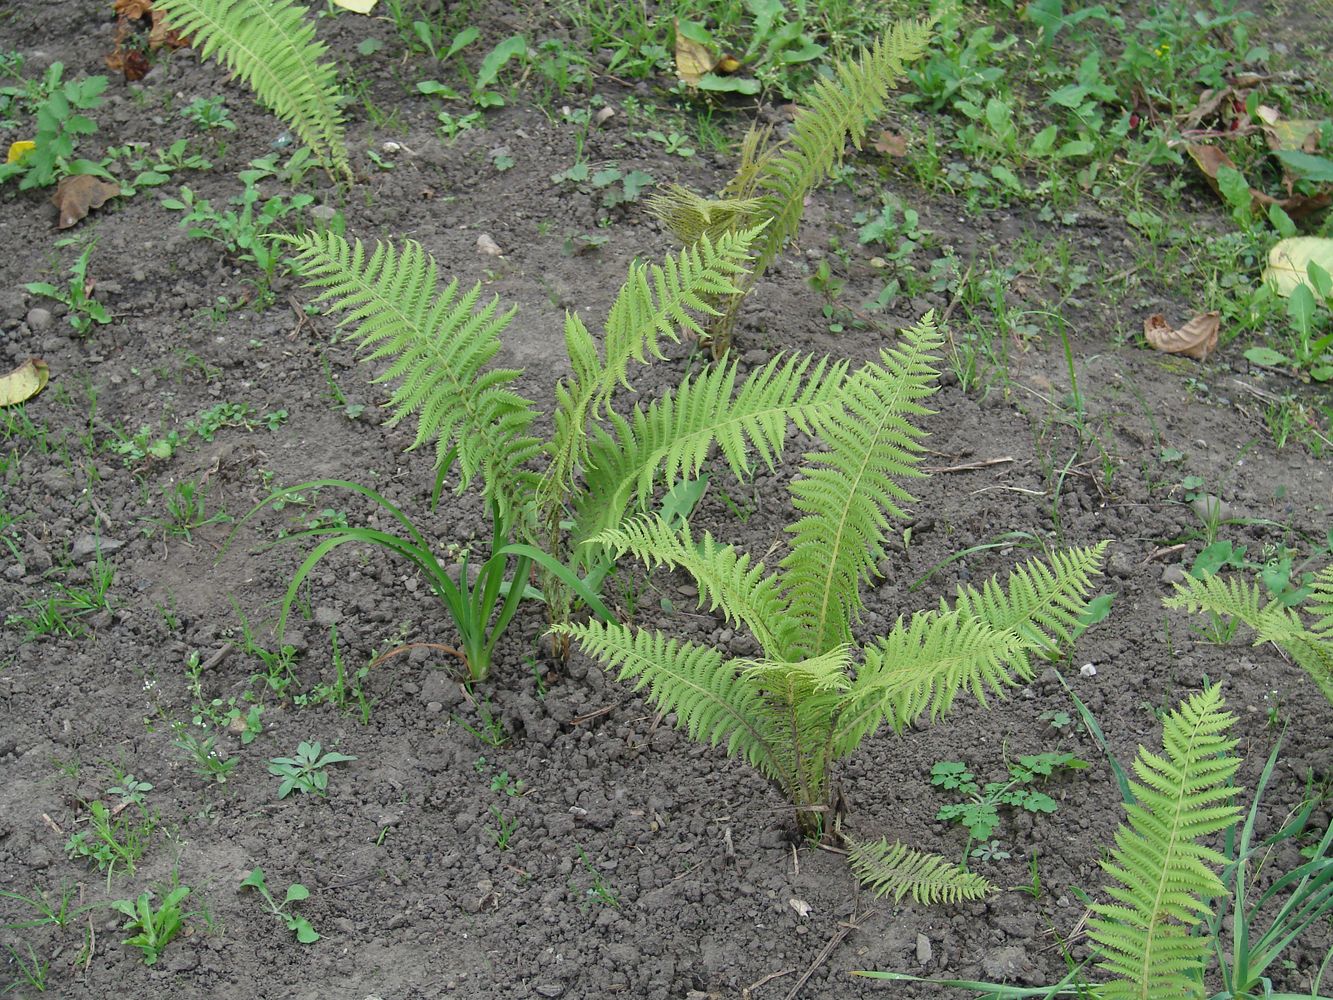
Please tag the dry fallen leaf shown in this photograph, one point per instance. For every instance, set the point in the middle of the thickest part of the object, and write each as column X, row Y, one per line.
column 76, row 195
column 1209, row 159
column 802, row 908
column 693, row 59
column 24, row 382
column 890, row 144
column 1196, row 339
column 356, row 6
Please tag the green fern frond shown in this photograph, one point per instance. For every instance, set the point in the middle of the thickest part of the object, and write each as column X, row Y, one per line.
column 839, row 108
column 440, row 342
column 1311, row 648
column 713, row 701
column 1163, row 874
column 928, row 878
column 1043, row 601
column 1321, row 603
column 981, row 644
column 847, row 492
column 657, row 300
column 654, row 302
column 745, row 593
column 674, row 436
column 270, row 45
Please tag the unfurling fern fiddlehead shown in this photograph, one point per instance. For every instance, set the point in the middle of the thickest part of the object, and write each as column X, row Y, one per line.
column 774, row 179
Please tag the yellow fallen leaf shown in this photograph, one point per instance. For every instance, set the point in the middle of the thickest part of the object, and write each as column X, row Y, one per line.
column 356, row 6
column 1288, row 259
column 24, row 382
column 693, row 59
column 1196, row 339
column 18, row 150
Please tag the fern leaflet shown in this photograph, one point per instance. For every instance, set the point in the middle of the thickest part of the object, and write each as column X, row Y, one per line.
column 1311, row 648
column 847, row 492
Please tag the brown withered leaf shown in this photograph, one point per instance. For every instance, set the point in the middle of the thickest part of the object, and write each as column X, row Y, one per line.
column 1210, row 158
column 890, row 144
column 129, row 56
column 76, row 196
column 1196, row 339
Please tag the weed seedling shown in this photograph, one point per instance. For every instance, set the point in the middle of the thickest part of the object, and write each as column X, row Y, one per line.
column 504, row 830
column 49, row 910
column 980, row 812
column 305, row 772
column 32, row 970
column 203, row 754
column 130, row 789
column 296, row 892
column 599, row 891
column 84, row 310
column 156, row 927
column 113, row 838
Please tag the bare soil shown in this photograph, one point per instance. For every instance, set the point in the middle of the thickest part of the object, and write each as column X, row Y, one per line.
column 640, row 864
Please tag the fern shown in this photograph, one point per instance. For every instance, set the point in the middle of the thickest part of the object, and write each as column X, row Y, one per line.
column 897, row 869
column 1163, row 875
column 270, row 45
column 773, row 180
column 814, row 696
column 440, row 342
column 1310, row 646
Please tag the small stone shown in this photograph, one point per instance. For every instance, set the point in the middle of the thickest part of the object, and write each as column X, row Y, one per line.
column 86, row 547
column 38, row 319
column 1087, row 670
column 486, row 245
column 1211, row 508
column 924, row 953
column 604, row 115
column 434, row 707
column 1173, row 574
column 549, row 990
column 323, row 213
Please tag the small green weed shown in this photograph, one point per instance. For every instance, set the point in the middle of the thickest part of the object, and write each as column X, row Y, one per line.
column 305, row 772
column 980, row 812
column 296, row 892
column 114, row 838
column 58, row 123
column 84, row 310
column 156, row 927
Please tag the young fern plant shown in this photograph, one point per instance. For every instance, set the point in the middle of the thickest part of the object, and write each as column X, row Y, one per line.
column 546, row 499
column 271, row 46
column 1163, row 876
column 775, row 177
column 816, row 693
column 1310, row 645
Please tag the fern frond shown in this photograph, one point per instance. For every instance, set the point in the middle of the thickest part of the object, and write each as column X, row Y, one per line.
column 927, row 878
column 655, row 300
column 1164, row 875
column 440, row 342
column 714, row 702
column 745, row 593
column 1043, row 601
column 674, row 436
column 840, row 108
column 847, row 492
column 1312, row 649
column 270, row 45
column 1321, row 603
column 983, row 643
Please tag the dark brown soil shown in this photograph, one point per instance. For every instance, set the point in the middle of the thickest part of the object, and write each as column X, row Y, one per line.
column 640, row 864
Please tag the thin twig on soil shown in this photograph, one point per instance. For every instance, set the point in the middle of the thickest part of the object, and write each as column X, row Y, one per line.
column 846, row 927
column 746, row 990
column 984, row 463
